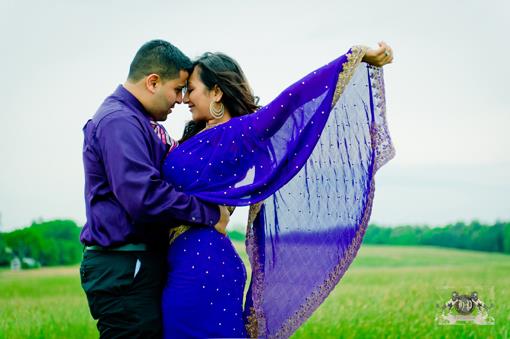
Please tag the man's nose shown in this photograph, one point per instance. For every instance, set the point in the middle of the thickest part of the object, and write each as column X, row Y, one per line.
column 178, row 99
column 185, row 97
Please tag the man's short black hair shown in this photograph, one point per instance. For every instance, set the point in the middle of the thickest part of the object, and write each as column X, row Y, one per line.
column 158, row 57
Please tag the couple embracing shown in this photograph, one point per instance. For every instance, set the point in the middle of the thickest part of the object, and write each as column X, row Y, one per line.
column 157, row 261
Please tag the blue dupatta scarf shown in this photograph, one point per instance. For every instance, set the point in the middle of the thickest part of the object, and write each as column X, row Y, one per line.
column 310, row 155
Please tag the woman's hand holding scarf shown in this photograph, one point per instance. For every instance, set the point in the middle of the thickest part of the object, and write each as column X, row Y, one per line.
column 380, row 56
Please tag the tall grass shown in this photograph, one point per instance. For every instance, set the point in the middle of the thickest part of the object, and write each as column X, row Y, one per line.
column 389, row 291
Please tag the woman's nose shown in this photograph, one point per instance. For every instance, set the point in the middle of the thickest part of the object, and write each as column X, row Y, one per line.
column 179, row 98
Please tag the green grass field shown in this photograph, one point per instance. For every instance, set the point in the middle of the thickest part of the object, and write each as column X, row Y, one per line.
column 388, row 292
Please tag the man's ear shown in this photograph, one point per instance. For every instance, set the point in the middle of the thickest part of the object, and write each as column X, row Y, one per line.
column 217, row 93
column 152, row 81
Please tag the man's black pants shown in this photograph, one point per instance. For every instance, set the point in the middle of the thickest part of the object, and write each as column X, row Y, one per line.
column 124, row 292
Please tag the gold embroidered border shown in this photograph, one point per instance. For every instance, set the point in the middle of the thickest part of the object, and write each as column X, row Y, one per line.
column 252, row 324
column 175, row 232
column 252, row 214
column 318, row 296
column 256, row 322
column 348, row 68
column 314, row 300
column 384, row 149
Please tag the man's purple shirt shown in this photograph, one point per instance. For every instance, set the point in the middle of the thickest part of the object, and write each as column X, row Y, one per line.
column 127, row 200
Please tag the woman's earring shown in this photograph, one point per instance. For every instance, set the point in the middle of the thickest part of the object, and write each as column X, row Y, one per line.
column 216, row 113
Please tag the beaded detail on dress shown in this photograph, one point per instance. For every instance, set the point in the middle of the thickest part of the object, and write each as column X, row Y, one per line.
column 383, row 151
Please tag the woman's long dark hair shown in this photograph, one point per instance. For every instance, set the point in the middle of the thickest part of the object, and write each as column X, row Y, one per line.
column 218, row 69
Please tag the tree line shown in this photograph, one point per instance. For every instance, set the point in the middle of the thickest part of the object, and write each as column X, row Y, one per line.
column 57, row 242
column 50, row 243
column 472, row 236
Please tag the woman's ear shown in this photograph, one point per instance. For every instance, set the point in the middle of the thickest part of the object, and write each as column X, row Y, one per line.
column 217, row 93
column 152, row 82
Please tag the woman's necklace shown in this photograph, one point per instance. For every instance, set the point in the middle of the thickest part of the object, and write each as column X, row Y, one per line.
column 211, row 125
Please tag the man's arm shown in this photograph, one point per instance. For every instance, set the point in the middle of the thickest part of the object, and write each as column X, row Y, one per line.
column 137, row 183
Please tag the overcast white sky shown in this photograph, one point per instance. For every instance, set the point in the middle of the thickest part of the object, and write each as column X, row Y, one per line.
column 447, row 108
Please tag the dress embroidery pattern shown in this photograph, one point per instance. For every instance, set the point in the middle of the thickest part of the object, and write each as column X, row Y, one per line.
column 175, row 232
column 384, row 148
column 383, row 152
column 256, row 319
column 353, row 60
column 316, row 297
column 314, row 300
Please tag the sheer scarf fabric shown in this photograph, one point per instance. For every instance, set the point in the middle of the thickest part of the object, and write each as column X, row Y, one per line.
column 310, row 156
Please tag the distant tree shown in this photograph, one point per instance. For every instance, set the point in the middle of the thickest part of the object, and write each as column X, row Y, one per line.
column 5, row 258
column 473, row 236
column 50, row 243
column 506, row 237
column 488, row 239
column 405, row 235
column 377, row 235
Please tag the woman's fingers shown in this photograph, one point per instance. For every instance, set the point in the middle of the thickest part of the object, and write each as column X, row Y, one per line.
column 388, row 53
column 379, row 56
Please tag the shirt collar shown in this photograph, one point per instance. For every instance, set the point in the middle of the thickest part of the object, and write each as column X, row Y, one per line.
column 126, row 96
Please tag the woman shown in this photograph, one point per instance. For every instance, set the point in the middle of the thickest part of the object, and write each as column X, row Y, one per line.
column 206, row 278
column 311, row 154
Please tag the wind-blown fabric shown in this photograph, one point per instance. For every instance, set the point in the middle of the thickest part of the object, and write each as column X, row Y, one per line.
column 311, row 154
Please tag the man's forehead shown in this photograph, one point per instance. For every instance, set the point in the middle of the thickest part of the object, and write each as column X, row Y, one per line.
column 183, row 78
column 192, row 78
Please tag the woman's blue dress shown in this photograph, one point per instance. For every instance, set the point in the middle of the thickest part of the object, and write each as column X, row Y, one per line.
column 311, row 156
column 203, row 294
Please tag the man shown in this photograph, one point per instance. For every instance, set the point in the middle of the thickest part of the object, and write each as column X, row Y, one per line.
column 129, row 207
